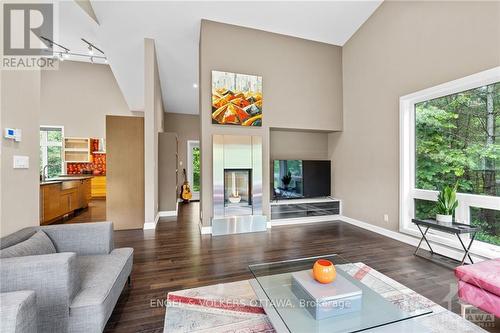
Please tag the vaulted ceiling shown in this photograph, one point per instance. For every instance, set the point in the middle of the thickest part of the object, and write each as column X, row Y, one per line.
column 175, row 27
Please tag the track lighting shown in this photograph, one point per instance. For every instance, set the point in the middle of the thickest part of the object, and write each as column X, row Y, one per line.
column 61, row 58
column 105, row 60
column 92, row 59
column 65, row 55
column 91, row 51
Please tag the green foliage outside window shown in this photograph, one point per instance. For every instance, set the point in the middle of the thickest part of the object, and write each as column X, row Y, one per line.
column 196, row 169
column 458, row 140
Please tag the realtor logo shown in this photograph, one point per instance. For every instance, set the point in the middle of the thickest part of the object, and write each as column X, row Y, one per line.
column 23, row 25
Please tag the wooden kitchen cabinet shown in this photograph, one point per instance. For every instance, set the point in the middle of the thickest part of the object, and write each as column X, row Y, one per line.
column 59, row 199
column 98, row 187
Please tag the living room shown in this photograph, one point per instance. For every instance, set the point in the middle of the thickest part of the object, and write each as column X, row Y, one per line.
column 349, row 159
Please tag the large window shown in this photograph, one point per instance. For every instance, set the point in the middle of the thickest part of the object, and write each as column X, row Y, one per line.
column 451, row 134
column 51, row 151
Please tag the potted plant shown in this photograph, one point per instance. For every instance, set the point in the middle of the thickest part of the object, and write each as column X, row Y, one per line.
column 286, row 179
column 446, row 204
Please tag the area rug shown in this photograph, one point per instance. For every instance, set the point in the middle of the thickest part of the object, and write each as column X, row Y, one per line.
column 234, row 307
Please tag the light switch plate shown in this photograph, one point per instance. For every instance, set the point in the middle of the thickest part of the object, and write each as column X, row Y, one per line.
column 21, row 162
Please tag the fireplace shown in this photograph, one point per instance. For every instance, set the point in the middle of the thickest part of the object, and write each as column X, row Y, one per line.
column 237, row 184
column 237, row 192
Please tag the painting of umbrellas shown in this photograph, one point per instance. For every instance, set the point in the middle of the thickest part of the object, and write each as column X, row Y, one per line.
column 236, row 99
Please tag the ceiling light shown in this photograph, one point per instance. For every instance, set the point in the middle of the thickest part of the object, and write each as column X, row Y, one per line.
column 92, row 59
column 105, row 60
column 65, row 55
column 61, row 58
column 91, row 51
column 195, row 85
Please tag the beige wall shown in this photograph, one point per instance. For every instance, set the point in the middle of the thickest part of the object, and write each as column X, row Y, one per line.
column 78, row 96
column 302, row 89
column 19, row 188
column 167, row 159
column 300, row 145
column 187, row 127
column 153, row 124
column 402, row 48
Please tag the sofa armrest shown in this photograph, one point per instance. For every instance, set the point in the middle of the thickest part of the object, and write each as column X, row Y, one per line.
column 18, row 312
column 53, row 277
column 82, row 238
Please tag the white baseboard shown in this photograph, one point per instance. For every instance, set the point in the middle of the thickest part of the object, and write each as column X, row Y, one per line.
column 167, row 213
column 303, row 220
column 438, row 248
column 151, row 225
column 205, row 230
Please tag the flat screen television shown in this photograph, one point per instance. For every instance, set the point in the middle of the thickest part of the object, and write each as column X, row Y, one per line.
column 294, row 179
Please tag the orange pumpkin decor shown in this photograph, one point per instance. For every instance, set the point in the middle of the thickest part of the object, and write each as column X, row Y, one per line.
column 324, row 271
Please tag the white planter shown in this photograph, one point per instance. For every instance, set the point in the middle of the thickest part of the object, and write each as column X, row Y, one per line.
column 444, row 218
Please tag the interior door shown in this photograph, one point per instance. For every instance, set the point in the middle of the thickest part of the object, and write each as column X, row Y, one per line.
column 125, row 172
column 193, row 167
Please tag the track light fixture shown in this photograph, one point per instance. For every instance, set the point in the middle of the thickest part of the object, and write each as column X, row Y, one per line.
column 66, row 53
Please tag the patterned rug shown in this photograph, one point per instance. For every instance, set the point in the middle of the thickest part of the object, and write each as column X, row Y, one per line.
column 234, row 307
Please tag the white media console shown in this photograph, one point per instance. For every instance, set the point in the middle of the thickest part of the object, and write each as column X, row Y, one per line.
column 290, row 211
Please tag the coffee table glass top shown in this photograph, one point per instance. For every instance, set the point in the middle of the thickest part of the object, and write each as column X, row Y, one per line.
column 274, row 280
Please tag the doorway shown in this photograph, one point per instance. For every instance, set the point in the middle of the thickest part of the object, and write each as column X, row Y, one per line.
column 193, row 167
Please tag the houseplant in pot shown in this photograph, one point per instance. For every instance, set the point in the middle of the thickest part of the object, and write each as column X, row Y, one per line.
column 446, row 204
column 286, row 180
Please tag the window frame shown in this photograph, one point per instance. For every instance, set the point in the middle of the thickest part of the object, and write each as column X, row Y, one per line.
column 407, row 143
column 47, row 144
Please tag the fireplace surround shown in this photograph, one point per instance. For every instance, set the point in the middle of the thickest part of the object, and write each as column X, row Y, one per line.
column 237, row 185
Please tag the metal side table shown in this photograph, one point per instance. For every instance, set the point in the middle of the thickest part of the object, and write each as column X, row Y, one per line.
column 451, row 228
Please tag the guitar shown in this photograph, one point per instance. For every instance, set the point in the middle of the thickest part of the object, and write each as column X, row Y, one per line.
column 186, row 194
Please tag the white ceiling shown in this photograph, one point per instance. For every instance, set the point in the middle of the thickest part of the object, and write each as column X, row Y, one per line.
column 175, row 26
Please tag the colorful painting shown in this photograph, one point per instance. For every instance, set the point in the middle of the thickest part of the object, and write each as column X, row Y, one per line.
column 236, row 99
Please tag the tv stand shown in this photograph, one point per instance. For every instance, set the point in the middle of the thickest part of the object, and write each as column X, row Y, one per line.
column 304, row 210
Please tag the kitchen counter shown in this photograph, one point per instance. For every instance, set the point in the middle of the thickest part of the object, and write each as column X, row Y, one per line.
column 67, row 178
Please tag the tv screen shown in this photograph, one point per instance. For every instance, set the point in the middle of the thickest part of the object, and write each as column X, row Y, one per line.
column 317, row 178
column 288, row 179
column 301, row 179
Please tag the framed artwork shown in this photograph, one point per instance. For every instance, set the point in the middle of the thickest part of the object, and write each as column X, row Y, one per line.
column 236, row 99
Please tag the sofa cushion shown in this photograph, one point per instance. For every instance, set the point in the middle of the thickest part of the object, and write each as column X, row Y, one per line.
column 102, row 280
column 485, row 275
column 479, row 298
column 37, row 244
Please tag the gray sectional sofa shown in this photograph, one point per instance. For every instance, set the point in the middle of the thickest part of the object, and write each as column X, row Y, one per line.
column 73, row 270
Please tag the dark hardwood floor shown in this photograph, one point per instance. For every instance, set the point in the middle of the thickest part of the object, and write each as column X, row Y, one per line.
column 175, row 256
column 95, row 212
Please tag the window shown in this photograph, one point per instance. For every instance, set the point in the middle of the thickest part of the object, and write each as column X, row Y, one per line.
column 51, row 150
column 451, row 133
column 196, row 169
column 193, row 167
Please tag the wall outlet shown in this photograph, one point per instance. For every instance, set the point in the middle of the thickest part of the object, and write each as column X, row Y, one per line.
column 386, row 217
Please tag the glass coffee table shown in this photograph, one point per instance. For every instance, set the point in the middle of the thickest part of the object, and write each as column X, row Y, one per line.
column 272, row 285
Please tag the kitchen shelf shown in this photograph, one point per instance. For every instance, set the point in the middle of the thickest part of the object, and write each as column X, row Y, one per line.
column 77, row 150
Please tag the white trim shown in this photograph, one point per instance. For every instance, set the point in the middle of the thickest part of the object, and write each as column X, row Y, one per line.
column 151, row 225
column 407, row 163
column 167, row 213
column 304, row 220
column 438, row 248
column 205, row 230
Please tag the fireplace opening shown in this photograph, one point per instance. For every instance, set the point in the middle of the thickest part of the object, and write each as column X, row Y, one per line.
column 237, row 192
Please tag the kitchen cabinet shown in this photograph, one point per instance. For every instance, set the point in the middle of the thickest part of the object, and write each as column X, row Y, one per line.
column 98, row 187
column 63, row 197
